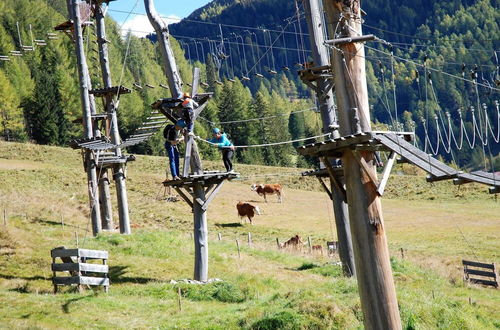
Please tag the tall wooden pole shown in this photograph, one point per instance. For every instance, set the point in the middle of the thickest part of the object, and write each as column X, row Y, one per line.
column 163, row 36
column 118, row 170
column 90, row 165
column 371, row 253
column 326, row 104
column 200, row 235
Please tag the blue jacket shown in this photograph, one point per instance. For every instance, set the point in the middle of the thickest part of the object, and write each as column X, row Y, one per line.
column 223, row 141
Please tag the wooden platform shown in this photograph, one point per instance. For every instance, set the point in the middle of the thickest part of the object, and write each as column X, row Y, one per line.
column 101, row 143
column 115, row 90
column 208, row 177
column 323, row 173
column 335, row 147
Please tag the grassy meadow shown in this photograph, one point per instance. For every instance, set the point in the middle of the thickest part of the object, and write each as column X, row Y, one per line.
column 437, row 225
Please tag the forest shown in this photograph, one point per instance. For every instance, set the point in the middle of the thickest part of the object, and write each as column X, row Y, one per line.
column 412, row 75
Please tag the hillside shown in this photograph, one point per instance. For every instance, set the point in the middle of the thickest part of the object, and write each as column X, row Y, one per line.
column 265, row 288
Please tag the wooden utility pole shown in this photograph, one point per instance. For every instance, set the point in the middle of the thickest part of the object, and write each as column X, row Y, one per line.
column 90, row 164
column 324, row 94
column 373, row 269
column 111, row 107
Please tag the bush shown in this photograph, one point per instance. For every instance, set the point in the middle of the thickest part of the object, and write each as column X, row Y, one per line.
column 307, row 265
column 220, row 291
column 282, row 320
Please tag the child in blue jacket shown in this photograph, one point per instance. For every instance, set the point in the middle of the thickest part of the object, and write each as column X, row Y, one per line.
column 227, row 148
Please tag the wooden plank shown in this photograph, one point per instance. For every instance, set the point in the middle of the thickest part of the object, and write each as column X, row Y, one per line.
column 184, row 196
column 480, row 273
column 417, row 157
column 187, row 155
column 89, row 254
column 82, row 280
column 484, row 282
column 83, row 267
column 334, row 179
column 325, row 187
column 412, row 149
column 478, row 264
column 366, row 168
column 386, row 174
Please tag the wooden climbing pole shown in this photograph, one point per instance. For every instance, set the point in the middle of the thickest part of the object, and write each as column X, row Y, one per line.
column 320, row 79
column 371, row 253
column 196, row 187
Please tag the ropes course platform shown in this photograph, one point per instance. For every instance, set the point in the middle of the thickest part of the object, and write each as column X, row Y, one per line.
column 207, row 178
column 398, row 143
column 115, row 90
column 97, row 143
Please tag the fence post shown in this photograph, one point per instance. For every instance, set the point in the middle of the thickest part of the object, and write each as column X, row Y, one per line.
column 5, row 217
column 278, row 243
column 179, row 298
column 238, row 246
column 309, row 243
column 219, row 235
column 402, row 253
column 250, row 239
column 62, row 221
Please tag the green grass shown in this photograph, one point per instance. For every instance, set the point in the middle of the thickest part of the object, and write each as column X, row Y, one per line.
column 264, row 289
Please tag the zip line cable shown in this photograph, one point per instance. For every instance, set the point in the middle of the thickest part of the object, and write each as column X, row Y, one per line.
column 429, row 68
column 256, row 119
column 267, row 144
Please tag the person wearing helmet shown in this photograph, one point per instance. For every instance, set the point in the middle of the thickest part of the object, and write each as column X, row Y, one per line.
column 172, row 138
column 220, row 139
column 188, row 106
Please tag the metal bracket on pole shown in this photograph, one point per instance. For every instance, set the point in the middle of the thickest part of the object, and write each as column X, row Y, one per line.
column 348, row 40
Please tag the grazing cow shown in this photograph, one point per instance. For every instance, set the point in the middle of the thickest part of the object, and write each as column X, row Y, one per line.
column 247, row 210
column 268, row 189
column 294, row 242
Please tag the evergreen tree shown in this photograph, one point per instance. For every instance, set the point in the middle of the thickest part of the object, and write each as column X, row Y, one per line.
column 44, row 109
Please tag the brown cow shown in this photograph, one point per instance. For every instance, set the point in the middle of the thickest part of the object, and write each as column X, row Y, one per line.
column 294, row 242
column 247, row 210
column 268, row 189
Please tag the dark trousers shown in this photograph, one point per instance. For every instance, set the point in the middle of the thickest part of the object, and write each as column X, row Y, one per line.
column 226, row 157
column 173, row 157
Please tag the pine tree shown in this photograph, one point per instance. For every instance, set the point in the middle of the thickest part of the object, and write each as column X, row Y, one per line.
column 44, row 109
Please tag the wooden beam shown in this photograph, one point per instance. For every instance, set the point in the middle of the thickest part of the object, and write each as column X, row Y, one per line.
column 387, row 173
column 333, row 177
column 364, row 165
column 325, row 187
column 183, row 195
column 212, row 195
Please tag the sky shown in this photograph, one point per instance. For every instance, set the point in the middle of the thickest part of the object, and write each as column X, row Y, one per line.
column 173, row 10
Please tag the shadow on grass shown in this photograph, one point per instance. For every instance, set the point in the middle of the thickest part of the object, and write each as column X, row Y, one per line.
column 65, row 306
column 228, row 225
column 116, row 276
column 27, row 278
